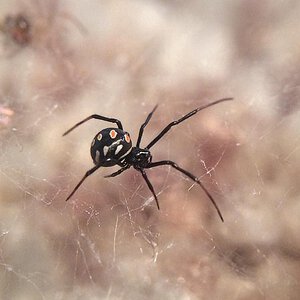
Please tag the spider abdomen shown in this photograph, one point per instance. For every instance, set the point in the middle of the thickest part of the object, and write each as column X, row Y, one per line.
column 109, row 146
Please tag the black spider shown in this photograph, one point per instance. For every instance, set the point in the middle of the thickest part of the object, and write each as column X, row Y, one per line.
column 112, row 146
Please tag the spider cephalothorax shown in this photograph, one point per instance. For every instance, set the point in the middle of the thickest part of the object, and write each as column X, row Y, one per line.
column 113, row 146
column 139, row 158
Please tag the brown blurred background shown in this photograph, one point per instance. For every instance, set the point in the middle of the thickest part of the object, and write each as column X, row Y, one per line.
column 61, row 61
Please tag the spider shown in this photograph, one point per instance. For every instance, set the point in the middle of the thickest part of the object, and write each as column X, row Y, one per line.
column 113, row 146
column 17, row 28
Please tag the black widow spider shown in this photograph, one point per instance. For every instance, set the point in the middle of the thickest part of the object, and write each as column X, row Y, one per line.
column 112, row 146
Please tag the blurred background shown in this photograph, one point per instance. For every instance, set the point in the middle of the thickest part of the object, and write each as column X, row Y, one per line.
column 61, row 61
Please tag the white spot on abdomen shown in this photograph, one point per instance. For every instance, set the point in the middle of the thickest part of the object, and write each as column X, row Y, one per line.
column 126, row 153
column 97, row 156
column 118, row 149
column 105, row 150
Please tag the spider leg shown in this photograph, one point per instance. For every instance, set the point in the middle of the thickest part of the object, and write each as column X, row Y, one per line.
column 88, row 173
column 191, row 176
column 98, row 117
column 149, row 185
column 143, row 126
column 118, row 172
column 176, row 122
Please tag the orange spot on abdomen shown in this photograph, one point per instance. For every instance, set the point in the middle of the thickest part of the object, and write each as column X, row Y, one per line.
column 113, row 134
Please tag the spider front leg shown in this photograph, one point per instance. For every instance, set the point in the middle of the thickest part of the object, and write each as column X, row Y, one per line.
column 188, row 115
column 88, row 173
column 98, row 117
column 191, row 176
column 143, row 126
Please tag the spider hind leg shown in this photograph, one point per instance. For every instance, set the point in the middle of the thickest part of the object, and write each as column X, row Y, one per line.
column 191, row 176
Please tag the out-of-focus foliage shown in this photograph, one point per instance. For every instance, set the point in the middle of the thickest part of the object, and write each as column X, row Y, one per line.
column 119, row 59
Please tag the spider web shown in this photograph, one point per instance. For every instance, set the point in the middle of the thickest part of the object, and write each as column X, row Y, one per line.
column 120, row 59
